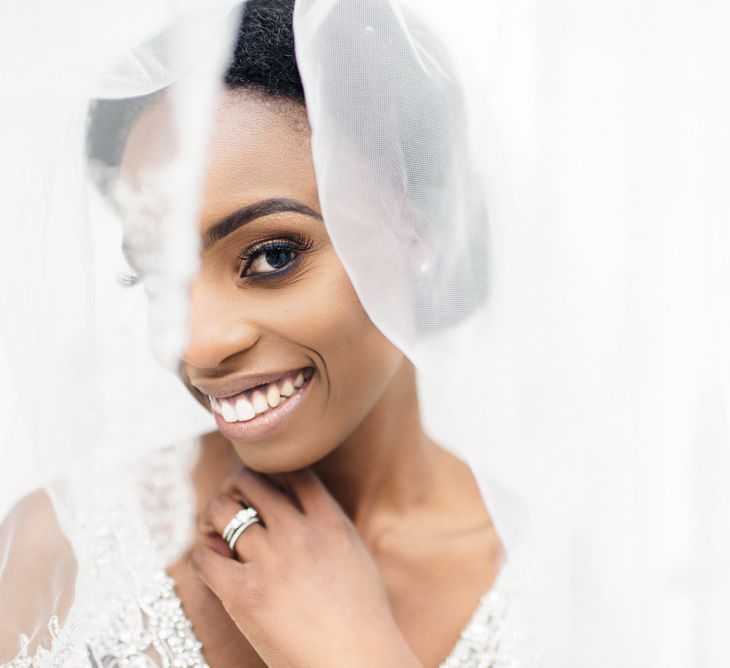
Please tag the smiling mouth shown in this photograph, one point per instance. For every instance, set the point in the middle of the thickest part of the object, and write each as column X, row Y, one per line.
column 260, row 399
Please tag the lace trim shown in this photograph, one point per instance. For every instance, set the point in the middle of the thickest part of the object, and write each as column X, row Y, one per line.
column 494, row 637
column 127, row 611
column 58, row 654
column 168, row 499
column 480, row 643
column 155, row 621
column 149, row 630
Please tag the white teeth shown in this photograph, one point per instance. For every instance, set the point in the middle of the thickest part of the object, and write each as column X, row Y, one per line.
column 259, row 402
column 229, row 413
column 272, row 395
column 249, row 405
column 244, row 409
column 287, row 387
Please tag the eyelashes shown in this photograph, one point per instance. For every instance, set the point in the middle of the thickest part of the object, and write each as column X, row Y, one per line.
column 273, row 257
column 266, row 260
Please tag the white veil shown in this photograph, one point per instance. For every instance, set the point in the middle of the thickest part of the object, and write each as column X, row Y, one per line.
column 582, row 360
column 531, row 203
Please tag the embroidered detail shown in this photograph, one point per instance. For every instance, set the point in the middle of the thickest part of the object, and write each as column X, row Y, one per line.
column 148, row 630
column 481, row 643
column 495, row 636
column 127, row 614
column 57, row 655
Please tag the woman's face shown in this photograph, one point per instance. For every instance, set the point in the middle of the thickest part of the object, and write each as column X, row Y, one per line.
column 271, row 305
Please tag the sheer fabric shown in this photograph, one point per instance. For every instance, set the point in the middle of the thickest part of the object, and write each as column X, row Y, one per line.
column 530, row 202
column 125, row 608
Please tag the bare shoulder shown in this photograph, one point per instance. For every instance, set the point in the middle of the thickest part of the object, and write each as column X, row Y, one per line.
column 459, row 491
column 37, row 572
column 31, row 526
column 465, row 523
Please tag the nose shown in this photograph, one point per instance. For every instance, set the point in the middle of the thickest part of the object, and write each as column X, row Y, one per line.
column 218, row 328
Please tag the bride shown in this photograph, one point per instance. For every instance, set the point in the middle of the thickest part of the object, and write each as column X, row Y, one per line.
column 403, row 471
column 328, row 526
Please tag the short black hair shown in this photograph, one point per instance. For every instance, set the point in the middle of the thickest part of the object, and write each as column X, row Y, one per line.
column 421, row 114
column 264, row 58
column 263, row 61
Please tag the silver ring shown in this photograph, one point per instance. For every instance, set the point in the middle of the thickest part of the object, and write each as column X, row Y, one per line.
column 243, row 515
column 243, row 519
column 237, row 532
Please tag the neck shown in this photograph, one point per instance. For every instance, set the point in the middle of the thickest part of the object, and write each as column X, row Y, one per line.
column 387, row 464
column 384, row 468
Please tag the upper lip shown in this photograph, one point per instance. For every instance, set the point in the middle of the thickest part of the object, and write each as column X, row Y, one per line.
column 233, row 385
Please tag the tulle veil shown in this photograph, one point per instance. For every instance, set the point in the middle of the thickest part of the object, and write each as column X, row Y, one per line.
column 531, row 202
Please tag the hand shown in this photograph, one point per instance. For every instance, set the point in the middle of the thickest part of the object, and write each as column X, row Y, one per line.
column 304, row 591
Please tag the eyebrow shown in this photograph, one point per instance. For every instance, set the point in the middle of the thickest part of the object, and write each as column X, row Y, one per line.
column 266, row 207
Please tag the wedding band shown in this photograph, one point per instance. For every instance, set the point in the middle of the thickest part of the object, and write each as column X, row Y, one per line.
column 242, row 516
column 237, row 533
column 243, row 519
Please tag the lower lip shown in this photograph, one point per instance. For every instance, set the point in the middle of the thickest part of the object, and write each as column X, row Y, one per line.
column 265, row 423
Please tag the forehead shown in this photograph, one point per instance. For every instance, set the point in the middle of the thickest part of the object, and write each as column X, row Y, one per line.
column 259, row 148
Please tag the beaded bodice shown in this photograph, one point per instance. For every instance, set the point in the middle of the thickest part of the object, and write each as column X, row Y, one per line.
column 127, row 613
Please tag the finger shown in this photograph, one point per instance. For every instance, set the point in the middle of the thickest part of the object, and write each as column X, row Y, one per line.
column 281, row 482
column 219, row 573
column 272, row 504
column 314, row 498
column 219, row 511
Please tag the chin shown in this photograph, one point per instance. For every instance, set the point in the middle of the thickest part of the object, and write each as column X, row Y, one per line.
column 270, row 460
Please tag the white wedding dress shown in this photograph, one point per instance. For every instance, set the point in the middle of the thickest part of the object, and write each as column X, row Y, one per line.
column 125, row 610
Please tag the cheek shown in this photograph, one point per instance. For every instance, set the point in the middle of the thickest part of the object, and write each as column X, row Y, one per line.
column 323, row 313
column 360, row 361
column 321, row 316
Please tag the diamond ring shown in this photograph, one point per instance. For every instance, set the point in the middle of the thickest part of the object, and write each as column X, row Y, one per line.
column 243, row 519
